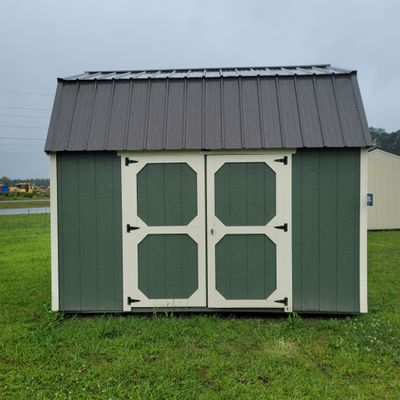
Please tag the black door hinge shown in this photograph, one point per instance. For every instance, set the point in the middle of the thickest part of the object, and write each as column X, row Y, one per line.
column 131, row 228
column 282, row 160
column 283, row 301
column 128, row 161
column 284, row 227
column 130, row 301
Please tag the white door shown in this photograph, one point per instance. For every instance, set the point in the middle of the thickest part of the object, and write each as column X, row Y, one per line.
column 249, row 231
column 163, row 215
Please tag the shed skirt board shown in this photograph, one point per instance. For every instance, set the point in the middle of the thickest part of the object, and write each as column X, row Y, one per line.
column 163, row 214
column 249, row 255
column 165, row 234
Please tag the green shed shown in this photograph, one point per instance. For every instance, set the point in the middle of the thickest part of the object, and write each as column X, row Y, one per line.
column 240, row 189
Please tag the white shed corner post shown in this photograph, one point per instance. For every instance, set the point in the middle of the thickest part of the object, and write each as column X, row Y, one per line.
column 54, row 233
column 363, row 230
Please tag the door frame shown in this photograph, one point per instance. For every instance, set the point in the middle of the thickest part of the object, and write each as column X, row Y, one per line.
column 283, row 215
column 130, row 241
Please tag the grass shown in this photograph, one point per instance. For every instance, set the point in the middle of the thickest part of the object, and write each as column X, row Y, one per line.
column 44, row 355
column 24, row 204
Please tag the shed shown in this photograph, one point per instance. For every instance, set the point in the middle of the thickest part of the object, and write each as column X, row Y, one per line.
column 384, row 185
column 237, row 189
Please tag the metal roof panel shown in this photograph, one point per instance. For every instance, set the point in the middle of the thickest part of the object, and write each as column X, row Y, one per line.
column 218, row 108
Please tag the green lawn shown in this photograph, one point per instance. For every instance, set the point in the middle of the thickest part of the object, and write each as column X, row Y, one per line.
column 24, row 204
column 47, row 356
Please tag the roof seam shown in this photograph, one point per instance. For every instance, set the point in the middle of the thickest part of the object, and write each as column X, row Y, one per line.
column 260, row 113
column 337, row 110
column 128, row 114
column 91, row 116
column 66, row 144
column 108, row 124
column 165, row 130
column 146, row 118
column 222, row 113
column 318, row 111
column 283, row 141
column 298, row 111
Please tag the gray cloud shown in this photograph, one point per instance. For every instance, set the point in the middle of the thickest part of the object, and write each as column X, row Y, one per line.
column 44, row 39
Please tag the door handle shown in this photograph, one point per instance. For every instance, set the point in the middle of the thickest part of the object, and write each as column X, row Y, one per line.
column 212, row 231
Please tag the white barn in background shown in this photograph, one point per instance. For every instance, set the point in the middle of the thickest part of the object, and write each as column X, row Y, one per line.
column 384, row 184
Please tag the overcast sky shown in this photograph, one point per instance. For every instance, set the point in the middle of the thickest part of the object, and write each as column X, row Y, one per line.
column 41, row 40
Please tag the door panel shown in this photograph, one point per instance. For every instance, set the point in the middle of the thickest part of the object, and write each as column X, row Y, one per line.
column 249, row 258
column 164, row 251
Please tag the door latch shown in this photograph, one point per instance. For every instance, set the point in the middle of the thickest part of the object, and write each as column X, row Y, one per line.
column 284, row 227
column 131, row 228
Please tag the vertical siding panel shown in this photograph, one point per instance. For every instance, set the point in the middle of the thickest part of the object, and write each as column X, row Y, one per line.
column 60, row 233
column 328, row 235
column 310, row 232
column 90, row 239
column 238, row 266
column 69, row 217
column 104, row 220
column 116, row 233
column 297, row 242
column 348, row 230
column 238, row 196
column 172, row 194
column 87, row 231
column 326, row 230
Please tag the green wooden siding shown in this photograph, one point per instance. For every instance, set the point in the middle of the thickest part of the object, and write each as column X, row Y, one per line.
column 326, row 199
column 245, row 267
column 168, row 266
column 167, row 194
column 89, row 237
column 245, row 194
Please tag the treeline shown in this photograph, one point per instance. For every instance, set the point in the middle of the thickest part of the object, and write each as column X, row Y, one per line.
column 386, row 141
column 34, row 181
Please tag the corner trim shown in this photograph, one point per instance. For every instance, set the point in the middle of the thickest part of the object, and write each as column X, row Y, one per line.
column 54, row 233
column 363, row 230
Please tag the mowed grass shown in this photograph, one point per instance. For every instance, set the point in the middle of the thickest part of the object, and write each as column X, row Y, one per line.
column 24, row 204
column 44, row 355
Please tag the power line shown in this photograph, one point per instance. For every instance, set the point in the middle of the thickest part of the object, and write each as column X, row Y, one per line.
column 27, row 93
column 19, row 138
column 23, row 126
column 23, row 116
column 26, row 108
column 21, row 152
column 19, row 144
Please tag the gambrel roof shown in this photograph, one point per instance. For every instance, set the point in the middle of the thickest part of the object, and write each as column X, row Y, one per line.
column 209, row 108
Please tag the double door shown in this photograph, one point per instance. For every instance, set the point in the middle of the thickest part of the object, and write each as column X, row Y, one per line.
column 206, row 230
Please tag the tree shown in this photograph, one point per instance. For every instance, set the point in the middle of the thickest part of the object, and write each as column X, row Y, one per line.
column 386, row 141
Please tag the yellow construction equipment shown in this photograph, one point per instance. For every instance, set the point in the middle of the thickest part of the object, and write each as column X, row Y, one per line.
column 22, row 187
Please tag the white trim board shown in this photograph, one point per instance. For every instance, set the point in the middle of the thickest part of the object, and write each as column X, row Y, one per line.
column 54, row 233
column 363, row 275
